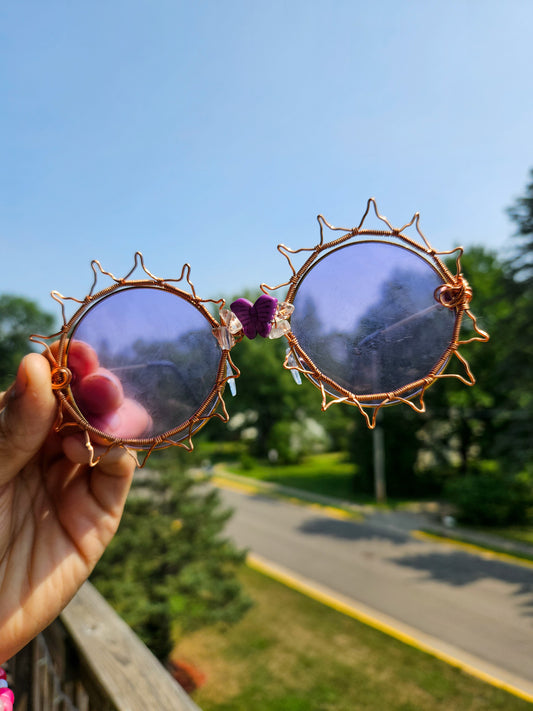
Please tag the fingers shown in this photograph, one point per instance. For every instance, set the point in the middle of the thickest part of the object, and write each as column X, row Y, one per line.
column 99, row 392
column 82, row 359
column 100, row 396
column 129, row 421
column 27, row 415
column 110, row 479
column 117, row 461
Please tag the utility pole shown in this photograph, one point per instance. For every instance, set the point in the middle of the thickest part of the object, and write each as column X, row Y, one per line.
column 380, row 487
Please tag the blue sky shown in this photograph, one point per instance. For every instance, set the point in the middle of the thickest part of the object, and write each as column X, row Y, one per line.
column 207, row 132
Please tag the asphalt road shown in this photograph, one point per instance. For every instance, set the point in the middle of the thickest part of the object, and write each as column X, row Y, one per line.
column 478, row 609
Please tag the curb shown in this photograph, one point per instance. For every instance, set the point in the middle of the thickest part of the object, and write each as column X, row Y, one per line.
column 455, row 657
column 333, row 507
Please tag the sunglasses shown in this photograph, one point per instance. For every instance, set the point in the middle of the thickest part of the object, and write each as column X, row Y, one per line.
column 371, row 318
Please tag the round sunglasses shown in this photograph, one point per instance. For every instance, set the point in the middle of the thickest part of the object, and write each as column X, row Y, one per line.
column 371, row 318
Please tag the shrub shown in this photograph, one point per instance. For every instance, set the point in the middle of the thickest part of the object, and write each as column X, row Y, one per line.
column 487, row 497
column 294, row 439
column 170, row 569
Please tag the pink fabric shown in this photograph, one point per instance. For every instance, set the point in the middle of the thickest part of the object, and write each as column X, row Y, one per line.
column 7, row 699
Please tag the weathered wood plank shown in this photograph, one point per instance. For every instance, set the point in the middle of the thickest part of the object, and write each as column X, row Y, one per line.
column 128, row 674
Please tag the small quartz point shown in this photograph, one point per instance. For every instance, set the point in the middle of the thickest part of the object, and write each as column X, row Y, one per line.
column 224, row 337
column 293, row 364
column 279, row 329
column 231, row 321
column 285, row 310
column 230, row 379
column 280, row 324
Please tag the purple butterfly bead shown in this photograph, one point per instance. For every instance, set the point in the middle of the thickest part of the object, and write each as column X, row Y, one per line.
column 255, row 318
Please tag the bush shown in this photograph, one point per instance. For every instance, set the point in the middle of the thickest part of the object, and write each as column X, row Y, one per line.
column 294, row 439
column 170, row 569
column 487, row 497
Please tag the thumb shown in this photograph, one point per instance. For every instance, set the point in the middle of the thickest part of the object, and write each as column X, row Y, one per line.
column 27, row 415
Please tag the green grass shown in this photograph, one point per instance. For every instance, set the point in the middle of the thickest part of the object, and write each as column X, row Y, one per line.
column 291, row 653
column 327, row 474
column 519, row 534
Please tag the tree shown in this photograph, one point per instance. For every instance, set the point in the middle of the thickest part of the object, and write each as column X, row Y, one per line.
column 19, row 318
column 276, row 413
column 480, row 439
column 521, row 213
column 462, row 426
column 519, row 329
column 170, row 569
column 474, row 415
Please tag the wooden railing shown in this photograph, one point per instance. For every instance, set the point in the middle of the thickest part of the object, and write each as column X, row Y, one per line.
column 90, row 660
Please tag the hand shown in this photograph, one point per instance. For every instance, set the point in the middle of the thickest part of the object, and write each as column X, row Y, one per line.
column 99, row 395
column 57, row 514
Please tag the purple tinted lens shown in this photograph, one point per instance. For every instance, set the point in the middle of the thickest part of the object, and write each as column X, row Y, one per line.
column 366, row 316
column 144, row 361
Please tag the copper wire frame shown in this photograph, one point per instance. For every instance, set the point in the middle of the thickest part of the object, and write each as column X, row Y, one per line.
column 71, row 419
column 455, row 293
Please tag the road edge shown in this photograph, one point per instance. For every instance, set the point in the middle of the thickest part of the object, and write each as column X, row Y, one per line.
column 447, row 653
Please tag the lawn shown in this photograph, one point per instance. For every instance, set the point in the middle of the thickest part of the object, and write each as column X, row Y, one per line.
column 291, row 653
column 327, row 474
column 517, row 534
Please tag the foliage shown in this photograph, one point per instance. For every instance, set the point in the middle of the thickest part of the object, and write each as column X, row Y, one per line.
column 19, row 318
column 490, row 497
column 291, row 441
column 170, row 569
column 521, row 213
column 268, row 401
column 466, row 424
column 271, row 413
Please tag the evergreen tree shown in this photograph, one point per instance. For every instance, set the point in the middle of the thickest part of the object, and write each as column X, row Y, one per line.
column 519, row 329
column 521, row 213
column 170, row 569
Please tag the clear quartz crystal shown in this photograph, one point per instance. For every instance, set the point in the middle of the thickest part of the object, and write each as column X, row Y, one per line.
column 230, row 379
column 284, row 310
column 293, row 364
column 279, row 329
column 224, row 337
column 230, row 321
